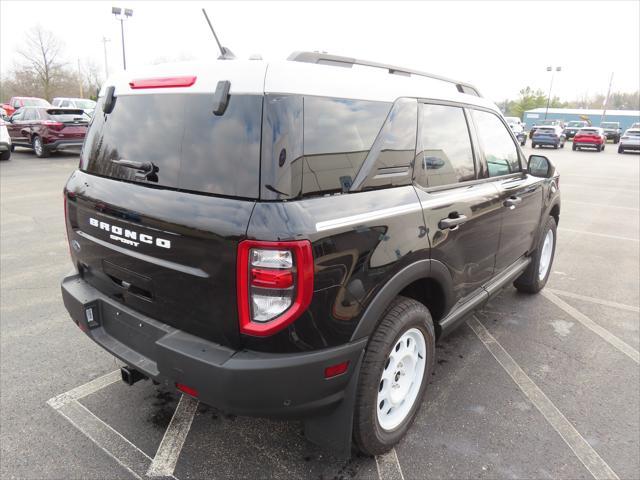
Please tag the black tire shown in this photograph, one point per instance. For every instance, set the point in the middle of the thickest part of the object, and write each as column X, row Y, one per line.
column 6, row 155
column 530, row 281
column 620, row 150
column 598, row 148
column 533, row 145
column 562, row 145
column 39, row 149
column 574, row 147
column 603, row 145
column 402, row 315
column 522, row 144
column 616, row 140
column 13, row 147
column 556, row 146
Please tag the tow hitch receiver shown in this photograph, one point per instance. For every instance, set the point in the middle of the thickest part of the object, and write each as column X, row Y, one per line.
column 131, row 375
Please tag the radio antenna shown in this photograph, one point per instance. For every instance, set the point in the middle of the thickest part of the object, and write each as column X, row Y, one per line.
column 225, row 53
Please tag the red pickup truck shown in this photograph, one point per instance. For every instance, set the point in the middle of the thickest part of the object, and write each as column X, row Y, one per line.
column 18, row 102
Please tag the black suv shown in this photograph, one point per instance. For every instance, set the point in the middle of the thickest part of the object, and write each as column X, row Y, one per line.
column 612, row 131
column 291, row 239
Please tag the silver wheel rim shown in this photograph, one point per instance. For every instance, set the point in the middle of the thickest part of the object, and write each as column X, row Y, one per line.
column 545, row 256
column 38, row 145
column 401, row 379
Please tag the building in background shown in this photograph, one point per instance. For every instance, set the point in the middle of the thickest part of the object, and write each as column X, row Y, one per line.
column 625, row 117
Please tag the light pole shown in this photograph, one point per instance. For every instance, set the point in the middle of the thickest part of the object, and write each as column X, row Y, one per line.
column 553, row 72
column 122, row 16
column 106, row 65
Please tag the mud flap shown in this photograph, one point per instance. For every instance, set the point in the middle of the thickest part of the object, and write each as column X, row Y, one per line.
column 332, row 431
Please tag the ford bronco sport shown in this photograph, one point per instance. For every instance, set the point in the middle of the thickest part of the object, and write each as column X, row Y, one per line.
column 292, row 238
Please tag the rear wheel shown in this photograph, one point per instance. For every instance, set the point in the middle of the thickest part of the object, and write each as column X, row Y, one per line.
column 535, row 277
column 574, row 147
column 6, row 155
column 598, row 148
column 620, row 150
column 533, row 145
column 39, row 148
column 395, row 371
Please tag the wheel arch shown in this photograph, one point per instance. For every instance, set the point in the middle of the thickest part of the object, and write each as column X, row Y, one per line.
column 427, row 281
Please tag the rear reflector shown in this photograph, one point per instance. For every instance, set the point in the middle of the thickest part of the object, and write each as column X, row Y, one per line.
column 335, row 370
column 163, row 82
column 188, row 390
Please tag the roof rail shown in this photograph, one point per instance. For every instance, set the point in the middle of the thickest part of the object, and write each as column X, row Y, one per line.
column 338, row 61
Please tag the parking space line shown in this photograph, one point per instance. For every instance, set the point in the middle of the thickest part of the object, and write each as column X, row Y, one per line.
column 606, row 303
column 388, row 466
column 605, row 235
column 580, row 447
column 164, row 463
column 84, row 390
column 593, row 326
column 601, row 205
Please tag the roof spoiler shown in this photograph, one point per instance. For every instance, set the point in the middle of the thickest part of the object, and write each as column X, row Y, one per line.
column 338, row 61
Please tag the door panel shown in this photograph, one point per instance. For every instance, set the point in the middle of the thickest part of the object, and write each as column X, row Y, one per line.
column 521, row 200
column 469, row 248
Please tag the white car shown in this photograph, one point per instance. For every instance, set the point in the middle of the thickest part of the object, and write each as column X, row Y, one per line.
column 630, row 140
column 84, row 103
column 5, row 142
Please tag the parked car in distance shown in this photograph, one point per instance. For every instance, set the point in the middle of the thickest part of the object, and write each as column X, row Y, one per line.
column 552, row 136
column 634, row 126
column 5, row 142
column 17, row 103
column 546, row 123
column 612, row 131
column 85, row 104
column 219, row 254
column 590, row 137
column 630, row 140
column 46, row 130
column 572, row 128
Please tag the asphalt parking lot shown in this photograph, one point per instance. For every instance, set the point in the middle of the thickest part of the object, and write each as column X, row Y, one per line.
column 544, row 386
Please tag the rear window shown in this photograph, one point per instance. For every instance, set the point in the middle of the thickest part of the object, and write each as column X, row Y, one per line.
column 609, row 125
column 188, row 146
column 338, row 134
column 546, row 130
column 588, row 131
column 576, row 124
column 67, row 115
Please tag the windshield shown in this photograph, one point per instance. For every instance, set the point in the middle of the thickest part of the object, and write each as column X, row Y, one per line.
column 609, row 125
column 633, row 133
column 512, row 120
column 549, row 122
column 35, row 102
column 576, row 124
column 86, row 104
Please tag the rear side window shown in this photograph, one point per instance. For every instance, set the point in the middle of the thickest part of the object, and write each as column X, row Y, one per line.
column 187, row 145
column 447, row 155
column 500, row 151
column 338, row 134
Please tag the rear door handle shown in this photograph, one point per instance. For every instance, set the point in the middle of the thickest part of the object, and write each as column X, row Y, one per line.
column 511, row 202
column 452, row 223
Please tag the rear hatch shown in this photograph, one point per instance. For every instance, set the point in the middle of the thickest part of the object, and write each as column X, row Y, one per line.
column 587, row 136
column 71, row 123
column 546, row 133
column 164, row 194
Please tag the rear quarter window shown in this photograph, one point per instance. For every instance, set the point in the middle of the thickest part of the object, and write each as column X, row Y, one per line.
column 191, row 148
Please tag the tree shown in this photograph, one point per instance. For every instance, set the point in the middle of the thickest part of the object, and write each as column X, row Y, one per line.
column 528, row 100
column 41, row 54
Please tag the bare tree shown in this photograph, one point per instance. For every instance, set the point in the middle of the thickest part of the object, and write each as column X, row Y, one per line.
column 41, row 54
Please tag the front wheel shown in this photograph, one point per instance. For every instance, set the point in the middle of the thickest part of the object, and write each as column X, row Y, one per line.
column 393, row 378
column 535, row 277
column 620, row 150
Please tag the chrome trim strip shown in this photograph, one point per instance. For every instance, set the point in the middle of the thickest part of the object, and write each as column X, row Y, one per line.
column 367, row 217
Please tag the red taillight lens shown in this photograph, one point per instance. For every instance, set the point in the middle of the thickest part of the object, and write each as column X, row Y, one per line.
column 274, row 284
column 163, row 82
column 53, row 125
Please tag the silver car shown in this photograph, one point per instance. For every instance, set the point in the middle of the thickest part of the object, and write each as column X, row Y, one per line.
column 630, row 140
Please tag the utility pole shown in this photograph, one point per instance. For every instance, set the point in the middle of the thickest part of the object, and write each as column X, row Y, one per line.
column 606, row 100
column 106, row 64
column 550, row 69
column 80, row 79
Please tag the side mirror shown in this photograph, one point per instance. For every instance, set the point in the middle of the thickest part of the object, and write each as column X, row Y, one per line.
column 540, row 166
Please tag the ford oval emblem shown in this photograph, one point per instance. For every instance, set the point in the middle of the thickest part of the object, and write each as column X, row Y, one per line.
column 75, row 245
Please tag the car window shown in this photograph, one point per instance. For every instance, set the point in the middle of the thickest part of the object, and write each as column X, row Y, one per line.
column 338, row 134
column 29, row 114
column 500, row 151
column 447, row 155
column 65, row 103
column 16, row 104
column 17, row 115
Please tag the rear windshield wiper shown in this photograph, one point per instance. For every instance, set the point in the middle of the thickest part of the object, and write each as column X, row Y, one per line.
column 149, row 168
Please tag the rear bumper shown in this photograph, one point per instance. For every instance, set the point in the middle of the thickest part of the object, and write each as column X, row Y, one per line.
column 240, row 382
column 587, row 144
column 629, row 146
column 64, row 144
column 545, row 141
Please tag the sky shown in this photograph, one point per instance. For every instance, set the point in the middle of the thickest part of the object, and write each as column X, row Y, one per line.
column 499, row 46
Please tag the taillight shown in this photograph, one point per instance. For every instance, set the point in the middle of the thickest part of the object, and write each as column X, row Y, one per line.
column 163, row 82
column 274, row 284
column 53, row 125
